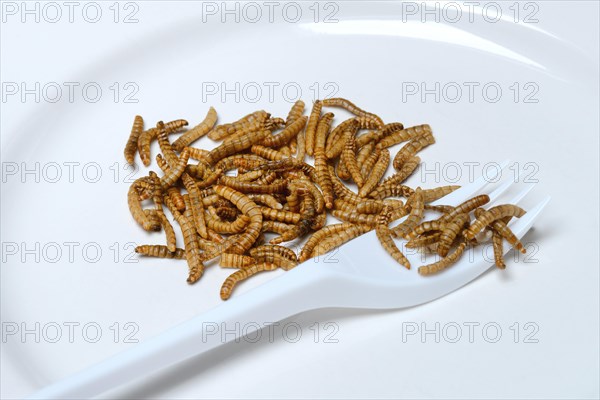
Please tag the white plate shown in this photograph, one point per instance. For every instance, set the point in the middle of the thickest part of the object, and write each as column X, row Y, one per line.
column 374, row 55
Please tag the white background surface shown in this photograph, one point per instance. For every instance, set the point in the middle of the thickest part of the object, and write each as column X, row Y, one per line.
column 168, row 54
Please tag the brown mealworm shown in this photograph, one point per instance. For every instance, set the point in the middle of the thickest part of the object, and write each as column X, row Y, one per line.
column 190, row 239
column 176, row 170
column 311, row 127
column 500, row 226
column 147, row 136
column 351, row 107
column 437, row 193
column 295, row 112
column 131, row 146
column 403, row 135
column 376, row 173
column 274, row 257
column 339, row 239
column 286, row 134
column 415, row 216
column 247, row 161
column 230, row 260
column 334, row 145
column 235, row 146
column 273, row 124
column 242, row 274
column 266, row 199
column 321, row 168
column 278, row 215
column 424, row 227
column 450, row 232
column 493, row 214
column 160, row 251
column 135, row 207
column 408, row 168
column 444, row 263
column 466, row 207
column 197, row 205
column 498, row 250
column 318, row 236
column 439, row 208
column 198, row 131
column 273, row 248
column 427, row 239
column 348, row 157
column 268, row 153
column 367, row 165
column 175, row 196
column 222, row 131
column 355, row 217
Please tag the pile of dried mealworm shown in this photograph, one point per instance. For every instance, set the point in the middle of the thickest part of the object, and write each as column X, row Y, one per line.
column 256, row 182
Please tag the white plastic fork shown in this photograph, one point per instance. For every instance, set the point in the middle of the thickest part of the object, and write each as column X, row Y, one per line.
column 364, row 276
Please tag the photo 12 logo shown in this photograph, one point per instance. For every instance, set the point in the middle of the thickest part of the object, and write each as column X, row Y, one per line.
column 69, row 92
column 253, row 12
column 452, row 12
column 53, row 12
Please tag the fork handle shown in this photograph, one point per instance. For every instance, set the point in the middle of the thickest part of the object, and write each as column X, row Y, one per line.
column 295, row 291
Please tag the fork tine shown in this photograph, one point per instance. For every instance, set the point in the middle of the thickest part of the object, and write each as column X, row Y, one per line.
column 522, row 225
column 471, row 189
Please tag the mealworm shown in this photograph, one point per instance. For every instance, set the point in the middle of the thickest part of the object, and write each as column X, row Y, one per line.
column 230, row 260
column 215, row 223
column 437, row 193
column 376, row 173
column 295, row 112
column 321, row 169
column 319, row 221
column 190, row 239
column 339, row 239
column 251, row 187
column 278, row 215
column 348, row 157
column 275, row 226
column 131, row 146
column 444, row 263
column 450, row 232
column 376, row 206
column 415, row 216
column 498, row 250
column 160, row 251
column 249, row 176
column 387, row 242
column 266, row 199
column 222, row 131
column 273, row 124
column 286, row 134
column 407, row 169
column 427, row 239
column 227, row 213
column 411, row 148
column 249, row 208
column 493, row 214
column 318, row 236
column 440, row 208
column 355, row 217
column 197, row 154
column 304, row 225
column 245, row 131
column 334, row 145
column 209, row 180
column 344, row 205
column 146, row 138
column 379, row 134
column 351, row 107
column 367, row 165
column 500, row 226
column 311, row 127
column 273, row 257
column 273, row 248
column 242, row 274
column 175, row 196
column 197, row 205
column 427, row 226
column 237, row 145
column 239, row 161
column 135, row 207
column 198, row 131
column 176, row 170
column 341, row 190
column 267, row 153
column 164, row 222
column 466, row 207
column 403, row 135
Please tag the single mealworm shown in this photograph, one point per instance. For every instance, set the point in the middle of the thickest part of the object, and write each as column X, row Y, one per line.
column 190, row 239
column 176, row 170
column 247, row 161
column 466, row 207
column 498, row 250
column 215, row 223
column 493, row 214
column 275, row 226
column 355, row 217
column 286, row 134
column 222, row 131
column 266, row 199
column 279, row 215
column 196, row 153
column 160, row 251
column 376, row 173
column 339, row 239
column 376, row 206
column 242, row 274
column 274, row 248
column 135, row 207
column 403, row 135
column 334, row 145
column 147, row 136
column 439, row 208
column 437, row 193
column 245, row 131
column 414, row 218
column 319, row 221
column 450, row 232
column 385, row 238
column 175, row 196
column 230, row 260
column 408, row 168
column 304, row 225
column 369, row 162
column 381, row 133
column 268, row 153
column 341, row 190
column 279, row 186
column 444, row 263
column 235, row 146
column 348, row 157
column 426, row 226
column 318, row 236
column 198, row 131
column 197, row 205
column 351, row 107
column 272, row 257
column 249, row 176
column 322, row 172
column 295, row 112
column 412, row 148
column 311, row 127
column 427, row 239
column 500, row 226
column 131, row 146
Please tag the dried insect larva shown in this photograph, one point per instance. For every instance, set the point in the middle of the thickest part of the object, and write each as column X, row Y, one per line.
column 441, row 208
column 251, row 187
column 268, row 153
column 319, row 221
column 209, row 180
column 227, row 213
column 301, row 146
column 334, row 145
column 425, row 240
column 247, row 161
column 376, row 174
column 387, row 242
column 295, row 112
column 377, row 135
column 282, row 216
column 267, row 179
column 426, row 226
column 311, row 127
column 275, row 226
column 412, row 148
column 343, row 205
column 168, row 228
column 437, row 193
column 293, row 200
column 348, row 157
column 215, row 223
column 135, row 207
column 376, row 206
column 341, row 190
column 444, row 263
column 316, row 194
column 235, row 146
column 249, row 176
column 498, row 250
column 321, row 169
column 369, row 163
column 245, row 131
column 402, row 135
column 394, row 190
column 318, row 237
column 285, row 135
column 339, row 239
column 229, row 260
column 277, row 249
column 364, row 152
column 175, row 196
column 407, row 169
column 273, row 124
column 414, row 217
column 198, row 131
column 176, row 170
column 242, row 274
column 275, row 258
column 369, row 137
column 351, row 107
column 131, row 146
column 160, row 251
column 266, row 199
column 493, row 214
column 308, row 214
column 500, row 226
column 197, row 205
column 450, row 232
column 249, row 208
column 197, row 154
column 466, row 207
column 190, row 239
column 355, row 217
column 222, row 131
column 146, row 138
